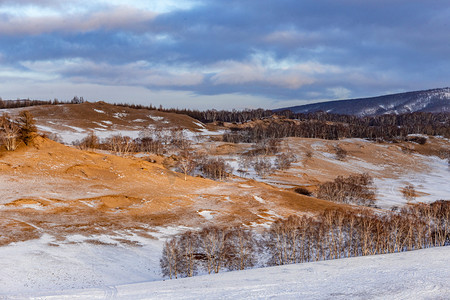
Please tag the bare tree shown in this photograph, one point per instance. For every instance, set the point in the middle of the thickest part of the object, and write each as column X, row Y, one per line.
column 188, row 245
column 240, row 248
column 9, row 132
column 27, row 126
column 187, row 162
column 212, row 241
column 171, row 258
column 329, row 235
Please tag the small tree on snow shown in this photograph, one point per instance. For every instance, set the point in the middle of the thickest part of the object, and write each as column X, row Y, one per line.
column 409, row 192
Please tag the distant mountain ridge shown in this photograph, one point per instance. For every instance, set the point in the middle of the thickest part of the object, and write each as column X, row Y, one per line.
column 434, row 100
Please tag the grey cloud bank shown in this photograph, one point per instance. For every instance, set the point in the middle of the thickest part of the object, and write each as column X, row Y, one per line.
column 196, row 54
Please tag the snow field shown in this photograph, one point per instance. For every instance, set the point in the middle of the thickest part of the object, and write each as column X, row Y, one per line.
column 420, row 274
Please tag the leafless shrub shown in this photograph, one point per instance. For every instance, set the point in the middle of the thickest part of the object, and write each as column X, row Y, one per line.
column 409, row 192
column 341, row 154
column 268, row 146
column 244, row 162
column 91, row 141
column 262, row 166
column 356, row 189
column 308, row 154
column 150, row 145
column 284, row 161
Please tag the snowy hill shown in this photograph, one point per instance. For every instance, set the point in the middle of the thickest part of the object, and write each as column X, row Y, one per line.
column 435, row 100
column 407, row 275
column 70, row 122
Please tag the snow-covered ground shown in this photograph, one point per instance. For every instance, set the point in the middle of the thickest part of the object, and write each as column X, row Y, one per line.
column 433, row 184
column 421, row 274
column 47, row 264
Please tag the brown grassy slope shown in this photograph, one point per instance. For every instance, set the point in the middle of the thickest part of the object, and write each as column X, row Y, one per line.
column 89, row 115
column 58, row 190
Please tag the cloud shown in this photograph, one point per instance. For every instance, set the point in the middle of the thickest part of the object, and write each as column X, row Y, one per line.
column 280, row 50
column 233, row 72
column 119, row 18
column 134, row 74
column 340, row 92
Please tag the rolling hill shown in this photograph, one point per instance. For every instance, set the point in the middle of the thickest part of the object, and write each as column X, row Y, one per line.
column 435, row 100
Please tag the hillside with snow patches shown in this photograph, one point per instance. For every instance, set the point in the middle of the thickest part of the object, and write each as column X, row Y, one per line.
column 434, row 100
column 91, row 225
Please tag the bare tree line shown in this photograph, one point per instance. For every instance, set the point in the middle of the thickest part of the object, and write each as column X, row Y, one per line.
column 390, row 128
column 27, row 102
column 332, row 234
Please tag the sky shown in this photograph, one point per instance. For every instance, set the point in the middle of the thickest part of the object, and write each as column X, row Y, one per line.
column 204, row 54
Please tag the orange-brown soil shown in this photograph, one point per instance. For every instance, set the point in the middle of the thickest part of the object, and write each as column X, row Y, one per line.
column 58, row 190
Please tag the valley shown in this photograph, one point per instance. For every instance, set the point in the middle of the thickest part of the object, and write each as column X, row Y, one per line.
column 80, row 217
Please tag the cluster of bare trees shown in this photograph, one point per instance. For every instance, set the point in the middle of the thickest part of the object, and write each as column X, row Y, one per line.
column 215, row 168
column 339, row 234
column 263, row 165
column 13, row 131
column 156, row 140
column 331, row 235
column 355, row 189
column 209, row 250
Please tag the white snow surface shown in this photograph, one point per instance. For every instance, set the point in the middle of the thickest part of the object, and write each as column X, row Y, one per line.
column 433, row 182
column 207, row 214
column 45, row 264
column 421, row 274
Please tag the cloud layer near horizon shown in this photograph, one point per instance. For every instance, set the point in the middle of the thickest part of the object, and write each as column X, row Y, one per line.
column 222, row 54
